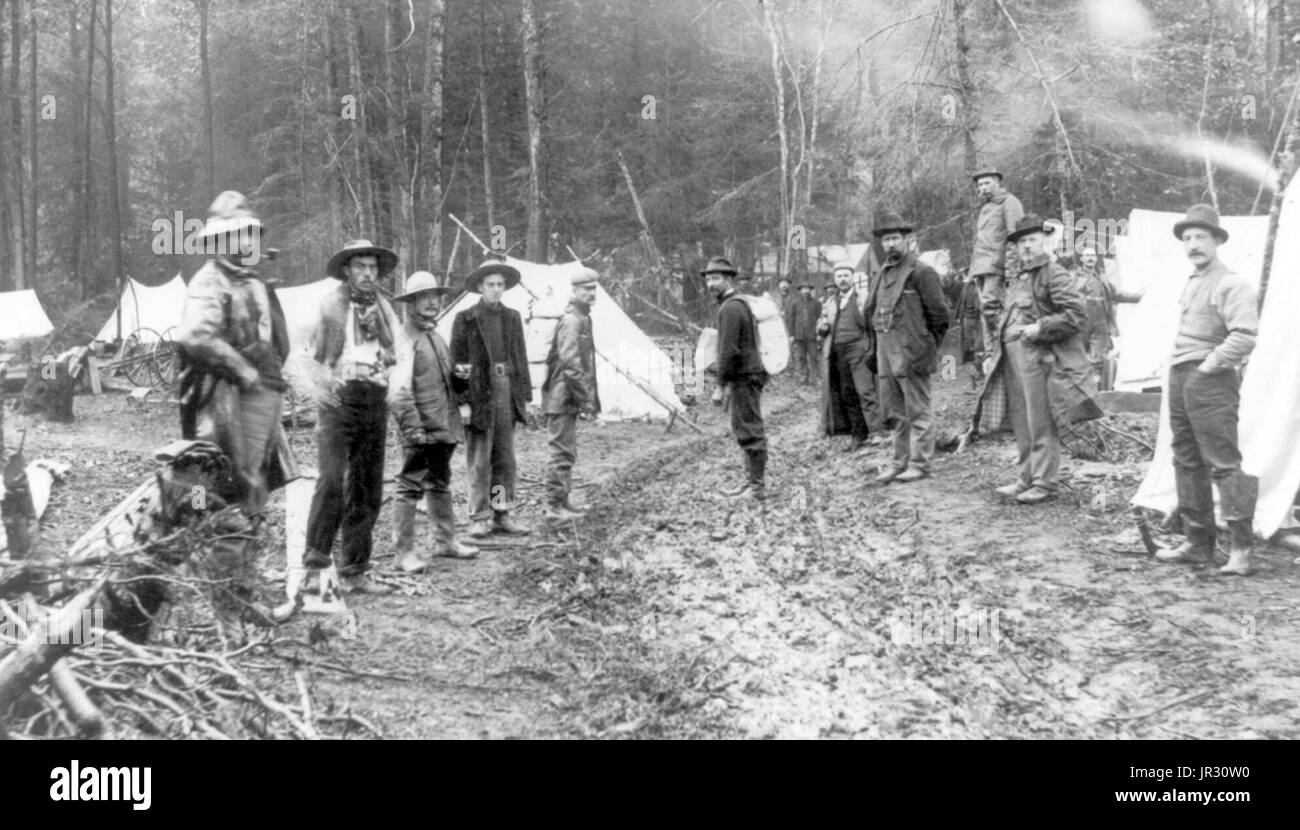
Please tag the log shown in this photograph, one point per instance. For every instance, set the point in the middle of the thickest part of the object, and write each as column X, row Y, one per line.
column 49, row 396
column 45, row 645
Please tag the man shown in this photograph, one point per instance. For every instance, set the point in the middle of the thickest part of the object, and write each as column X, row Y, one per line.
column 487, row 346
column 355, row 345
column 850, row 402
column 1039, row 360
column 783, row 298
column 991, row 259
column 232, row 340
column 801, row 315
column 569, row 391
column 1100, row 295
column 745, row 284
column 423, row 391
column 1216, row 333
column 910, row 317
column 740, row 368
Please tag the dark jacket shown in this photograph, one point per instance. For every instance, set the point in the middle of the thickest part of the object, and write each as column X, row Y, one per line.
column 468, row 346
column 422, row 393
column 738, row 357
column 997, row 217
column 907, row 309
column 858, row 354
column 570, row 385
column 1099, row 297
column 801, row 315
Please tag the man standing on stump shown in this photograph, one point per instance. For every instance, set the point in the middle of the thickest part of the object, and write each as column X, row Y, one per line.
column 569, row 391
column 991, row 257
column 423, row 399
column 355, row 346
column 1216, row 333
column 487, row 348
column 908, row 311
column 740, row 369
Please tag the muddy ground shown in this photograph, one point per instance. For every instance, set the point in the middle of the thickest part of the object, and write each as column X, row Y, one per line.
column 670, row 612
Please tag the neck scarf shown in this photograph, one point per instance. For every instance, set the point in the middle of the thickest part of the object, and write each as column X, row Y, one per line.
column 369, row 319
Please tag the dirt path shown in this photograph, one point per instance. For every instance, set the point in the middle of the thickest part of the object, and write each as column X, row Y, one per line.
column 671, row 612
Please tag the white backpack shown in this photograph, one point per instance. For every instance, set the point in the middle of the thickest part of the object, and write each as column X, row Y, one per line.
column 769, row 330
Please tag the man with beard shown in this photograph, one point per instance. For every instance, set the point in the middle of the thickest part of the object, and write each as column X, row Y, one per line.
column 569, row 391
column 355, row 346
column 782, row 297
column 1100, row 296
column 849, row 352
column 907, row 309
column 801, row 315
column 1217, row 326
column 423, row 399
column 991, row 258
column 739, row 368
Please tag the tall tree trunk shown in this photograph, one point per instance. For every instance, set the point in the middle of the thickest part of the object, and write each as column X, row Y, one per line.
column 430, row 209
column 361, row 191
column 538, row 234
column 967, row 116
column 484, row 119
column 85, row 229
column 400, row 198
column 17, row 207
column 110, row 135
column 33, row 118
column 778, row 77
column 205, row 75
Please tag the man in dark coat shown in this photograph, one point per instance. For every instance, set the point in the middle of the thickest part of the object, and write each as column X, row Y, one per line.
column 801, row 314
column 910, row 316
column 487, row 346
column 355, row 346
column 1039, row 369
column 1217, row 325
column 569, row 391
column 740, row 369
column 422, row 395
column 849, row 394
column 1100, row 295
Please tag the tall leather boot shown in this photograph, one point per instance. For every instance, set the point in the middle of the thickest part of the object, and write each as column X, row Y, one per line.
column 758, row 474
column 1238, row 494
column 404, row 537
column 444, row 528
column 1196, row 505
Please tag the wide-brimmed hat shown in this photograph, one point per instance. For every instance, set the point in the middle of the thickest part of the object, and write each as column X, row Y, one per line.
column 890, row 222
column 1030, row 223
column 361, row 247
column 421, row 282
column 719, row 265
column 1201, row 216
column 587, row 276
column 228, row 213
column 493, row 266
column 991, row 171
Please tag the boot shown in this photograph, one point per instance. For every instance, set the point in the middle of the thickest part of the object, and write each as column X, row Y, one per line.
column 1238, row 494
column 758, row 474
column 502, row 523
column 404, row 538
column 1196, row 507
column 444, row 528
column 1243, row 542
column 1198, row 549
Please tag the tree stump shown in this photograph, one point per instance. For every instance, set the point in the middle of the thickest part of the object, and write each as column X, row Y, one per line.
column 49, row 391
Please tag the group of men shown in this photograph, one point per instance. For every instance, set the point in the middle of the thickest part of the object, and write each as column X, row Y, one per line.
column 1048, row 332
column 367, row 362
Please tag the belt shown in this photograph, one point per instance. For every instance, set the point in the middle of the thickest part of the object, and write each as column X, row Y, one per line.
column 502, row 369
column 349, row 370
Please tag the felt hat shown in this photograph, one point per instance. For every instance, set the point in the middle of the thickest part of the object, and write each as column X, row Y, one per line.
column 492, row 266
column 361, row 247
column 1201, row 216
column 1030, row 223
column 228, row 213
column 991, row 171
column 421, row 282
column 719, row 265
column 890, row 222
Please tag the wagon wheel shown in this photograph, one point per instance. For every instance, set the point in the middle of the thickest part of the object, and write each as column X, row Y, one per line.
column 136, row 355
column 164, row 359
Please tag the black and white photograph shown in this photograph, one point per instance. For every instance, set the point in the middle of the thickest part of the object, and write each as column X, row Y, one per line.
column 686, row 370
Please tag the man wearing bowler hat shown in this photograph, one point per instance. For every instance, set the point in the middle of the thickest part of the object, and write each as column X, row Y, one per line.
column 1040, row 361
column 739, row 368
column 423, row 393
column 992, row 258
column 908, row 311
column 569, row 391
column 1217, row 326
column 487, row 348
column 355, row 345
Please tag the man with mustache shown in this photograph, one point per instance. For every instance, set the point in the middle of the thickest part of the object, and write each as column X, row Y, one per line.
column 991, row 257
column 1216, row 333
column 907, row 309
column 850, row 398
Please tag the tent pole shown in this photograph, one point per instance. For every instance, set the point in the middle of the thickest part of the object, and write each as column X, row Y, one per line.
column 649, row 390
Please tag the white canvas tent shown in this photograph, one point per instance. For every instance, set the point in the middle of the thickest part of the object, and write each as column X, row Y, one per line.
column 301, row 304
column 1269, row 420
column 21, row 315
column 155, row 309
column 619, row 341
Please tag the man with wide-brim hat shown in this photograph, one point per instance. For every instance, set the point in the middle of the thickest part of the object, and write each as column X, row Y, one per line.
column 1217, row 324
column 909, row 315
column 354, row 347
column 422, row 395
column 801, row 315
column 1038, row 375
column 489, row 355
column 993, row 257
column 850, row 403
column 569, row 391
column 232, row 341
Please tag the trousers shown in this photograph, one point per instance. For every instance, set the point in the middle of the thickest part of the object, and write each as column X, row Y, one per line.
column 1037, row 441
column 563, row 430
column 491, row 456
